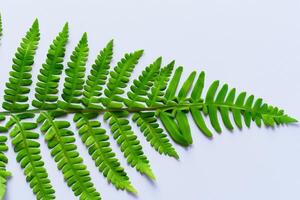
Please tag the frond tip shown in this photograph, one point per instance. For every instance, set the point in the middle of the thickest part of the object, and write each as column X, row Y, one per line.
column 20, row 76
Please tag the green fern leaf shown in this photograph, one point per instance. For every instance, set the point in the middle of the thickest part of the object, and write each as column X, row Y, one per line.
column 96, row 140
column 120, row 127
column 59, row 139
column 28, row 155
column 75, row 76
column 4, row 174
column 158, row 97
column 20, row 76
column 94, row 137
column 48, row 79
column 155, row 97
column 24, row 139
column 146, row 120
column 154, row 134
column 141, row 85
column 225, row 102
column 61, row 142
column 97, row 78
column 155, row 94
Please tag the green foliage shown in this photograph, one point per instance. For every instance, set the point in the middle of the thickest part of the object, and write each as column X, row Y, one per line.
column 4, row 174
column 155, row 95
column 120, row 127
column 20, row 76
column 94, row 84
column 96, row 140
column 24, row 139
column 60, row 141
column 75, row 75
column 94, row 137
column 48, row 79
column 28, row 155
column 146, row 120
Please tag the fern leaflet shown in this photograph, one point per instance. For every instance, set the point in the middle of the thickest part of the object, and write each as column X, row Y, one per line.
column 23, row 138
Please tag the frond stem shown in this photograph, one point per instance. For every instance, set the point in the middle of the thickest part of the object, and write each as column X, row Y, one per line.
column 136, row 109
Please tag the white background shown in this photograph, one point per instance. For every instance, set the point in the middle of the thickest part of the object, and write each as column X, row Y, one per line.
column 252, row 45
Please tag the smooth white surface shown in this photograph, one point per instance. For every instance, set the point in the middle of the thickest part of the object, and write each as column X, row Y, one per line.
column 252, row 45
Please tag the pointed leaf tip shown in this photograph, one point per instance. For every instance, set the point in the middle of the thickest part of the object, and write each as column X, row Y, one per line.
column 148, row 172
column 131, row 189
column 66, row 26
column 35, row 23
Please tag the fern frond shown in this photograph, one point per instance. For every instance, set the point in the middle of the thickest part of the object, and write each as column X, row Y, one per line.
column 196, row 98
column 74, row 80
column 155, row 97
column 20, row 76
column 141, row 85
column 60, row 141
column 175, row 120
column 96, row 140
column 28, row 155
column 48, row 79
column 159, row 96
column 154, row 134
column 94, row 137
column 146, row 120
column 4, row 174
column 128, row 142
column 241, row 107
column 178, row 117
column 24, row 139
column 120, row 127
column 97, row 78
column 119, row 78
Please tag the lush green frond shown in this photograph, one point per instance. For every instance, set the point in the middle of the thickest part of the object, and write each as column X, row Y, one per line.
column 119, row 78
column 140, row 86
column 75, row 73
column 60, row 141
column 128, row 142
column 24, row 139
column 94, row 137
column 96, row 140
column 94, row 84
column 175, row 121
column 196, row 99
column 154, row 134
column 118, row 122
column 155, row 97
column 26, row 146
column 226, row 101
column 4, row 174
column 20, row 77
column 155, row 94
column 146, row 120
column 178, row 116
column 48, row 79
